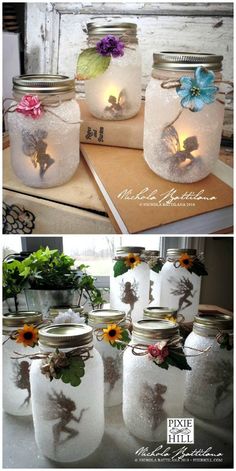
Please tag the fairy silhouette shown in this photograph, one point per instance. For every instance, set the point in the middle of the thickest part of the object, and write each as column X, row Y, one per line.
column 152, row 401
column 128, row 294
column 21, row 378
column 34, row 146
column 112, row 368
column 117, row 105
column 221, row 375
column 151, row 298
column 184, row 289
column 62, row 408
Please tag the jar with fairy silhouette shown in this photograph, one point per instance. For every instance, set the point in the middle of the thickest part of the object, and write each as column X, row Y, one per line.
column 20, row 338
column 129, row 282
column 155, row 264
column 111, row 68
column 67, row 393
column 209, row 386
column 184, row 115
column 109, row 325
column 154, row 362
column 44, row 130
column 181, row 281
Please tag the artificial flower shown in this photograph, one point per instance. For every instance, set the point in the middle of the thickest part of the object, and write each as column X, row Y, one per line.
column 110, row 46
column 199, row 91
column 112, row 333
column 158, row 352
column 69, row 317
column 171, row 319
column 30, row 106
column 132, row 260
column 28, row 335
column 185, row 261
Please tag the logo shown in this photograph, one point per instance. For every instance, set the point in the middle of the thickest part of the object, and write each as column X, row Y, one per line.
column 180, row 430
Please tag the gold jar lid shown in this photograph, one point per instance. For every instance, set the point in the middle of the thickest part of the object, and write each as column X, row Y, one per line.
column 114, row 28
column 149, row 329
column 185, row 61
column 179, row 252
column 54, row 311
column 212, row 322
column 43, row 83
column 152, row 253
column 124, row 250
column 65, row 335
column 105, row 316
column 18, row 319
column 156, row 312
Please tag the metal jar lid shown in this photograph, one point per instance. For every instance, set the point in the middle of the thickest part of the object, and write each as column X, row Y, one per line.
column 18, row 319
column 65, row 335
column 105, row 316
column 211, row 323
column 156, row 312
column 43, row 83
column 115, row 28
column 184, row 61
column 125, row 250
column 152, row 253
column 179, row 252
column 149, row 330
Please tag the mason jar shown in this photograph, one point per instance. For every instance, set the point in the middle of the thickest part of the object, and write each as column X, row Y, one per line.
column 180, row 289
column 45, row 133
column 158, row 312
column 176, row 138
column 150, row 395
column 129, row 291
column 68, row 420
column 209, row 386
column 112, row 357
column 16, row 381
column 116, row 93
column 154, row 261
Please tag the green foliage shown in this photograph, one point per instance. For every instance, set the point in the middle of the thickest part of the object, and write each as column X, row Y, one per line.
column 13, row 280
column 88, row 289
column 176, row 359
column 120, row 268
column 91, row 64
column 198, row 268
column 73, row 372
column 157, row 267
column 125, row 338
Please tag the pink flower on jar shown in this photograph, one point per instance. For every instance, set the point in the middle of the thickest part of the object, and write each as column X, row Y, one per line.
column 30, row 106
column 159, row 352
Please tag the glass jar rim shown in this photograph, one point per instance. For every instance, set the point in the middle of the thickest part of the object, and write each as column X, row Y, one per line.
column 154, row 329
column 19, row 318
column 100, row 29
column 185, row 61
column 152, row 253
column 129, row 249
column 178, row 252
column 99, row 316
column 158, row 312
column 43, row 83
column 65, row 335
column 212, row 321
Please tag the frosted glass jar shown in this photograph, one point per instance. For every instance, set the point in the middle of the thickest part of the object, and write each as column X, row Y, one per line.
column 68, row 420
column 209, row 386
column 129, row 292
column 150, row 395
column 153, row 258
column 180, row 289
column 181, row 145
column 116, row 94
column 45, row 150
column 112, row 358
column 16, row 382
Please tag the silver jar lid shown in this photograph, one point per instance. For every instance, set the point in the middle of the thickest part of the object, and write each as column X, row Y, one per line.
column 152, row 253
column 18, row 319
column 179, row 252
column 184, row 61
column 43, row 83
column 115, row 28
column 156, row 312
column 125, row 250
column 105, row 316
column 211, row 323
column 149, row 330
column 65, row 335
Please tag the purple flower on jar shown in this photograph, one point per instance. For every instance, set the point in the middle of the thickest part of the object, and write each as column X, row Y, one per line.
column 110, row 46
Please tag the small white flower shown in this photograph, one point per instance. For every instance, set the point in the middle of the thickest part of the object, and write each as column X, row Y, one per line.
column 69, row 317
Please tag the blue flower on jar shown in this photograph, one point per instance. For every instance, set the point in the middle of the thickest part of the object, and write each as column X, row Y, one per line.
column 199, row 91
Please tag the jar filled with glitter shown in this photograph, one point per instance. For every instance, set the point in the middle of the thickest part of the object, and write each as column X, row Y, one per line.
column 184, row 115
column 209, row 386
column 155, row 264
column 150, row 395
column 44, row 130
column 129, row 282
column 115, row 94
column 108, row 325
column 181, row 281
column 67, row 393
column 19, row 335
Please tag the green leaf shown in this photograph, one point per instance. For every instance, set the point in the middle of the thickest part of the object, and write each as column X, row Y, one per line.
column 73, row 373
column 198, row 268
column 163, row 365
column 120, row 268
column 157, row 268
column 179, row 361
column 91, row 64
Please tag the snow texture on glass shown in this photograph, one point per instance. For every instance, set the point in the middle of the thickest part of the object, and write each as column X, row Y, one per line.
column 130, row 292
column 150, row 396
column 116, row 94
column 209, row 386
column 155, row 288
column 180, row 290
column 45, row 151
column 68, row 421
column 187, row 150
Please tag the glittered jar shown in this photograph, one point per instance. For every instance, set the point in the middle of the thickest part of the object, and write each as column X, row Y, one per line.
column 209, row 386
column 180, row 289
column 150, row 395
column 15, row 381
column 44, row 130
column 184, row 115
column 68, row 419
column 155, row 264
column 129, row 282
column 112, row 358
column 116, row 93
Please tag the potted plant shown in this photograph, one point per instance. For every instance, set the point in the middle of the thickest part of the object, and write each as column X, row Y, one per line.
column 13, row 283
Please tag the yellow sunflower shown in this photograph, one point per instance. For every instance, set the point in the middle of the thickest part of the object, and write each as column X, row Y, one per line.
column 171, row 319
column 112, row 333
column 132, row 260
column 185, row 261
column 28, row 335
